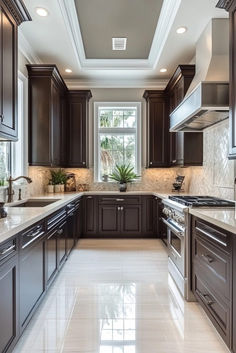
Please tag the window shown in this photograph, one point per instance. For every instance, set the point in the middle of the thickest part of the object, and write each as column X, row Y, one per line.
column 13, row 155
column 117, row 137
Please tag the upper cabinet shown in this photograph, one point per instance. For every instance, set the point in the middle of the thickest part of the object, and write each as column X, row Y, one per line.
column 57, row 120
column 77, row 120
column 230, row 5
column 46, row 113
column 157, row 129
column 12, row 13
column 186, row 148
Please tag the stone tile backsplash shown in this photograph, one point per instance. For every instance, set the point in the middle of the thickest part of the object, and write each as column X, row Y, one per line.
column 215, row 177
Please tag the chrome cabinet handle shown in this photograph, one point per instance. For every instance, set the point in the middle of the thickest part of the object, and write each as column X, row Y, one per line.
column 84, row 163
column 34, row 233
column 174, row 161
column 208, row 258
column 120, row 200
column 89, row 197
column 211, row 236
column 121, row 208
column 5, row 251
column 206, row 298
column 118, row 208
column 150, row 163
column 36, row 236
column 60, row 231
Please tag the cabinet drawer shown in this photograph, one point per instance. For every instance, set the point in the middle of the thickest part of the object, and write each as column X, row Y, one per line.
column 56, row 218
column 215, row 266
column 212, row 234
column 217, row 310
column 31, row 235
column 133, row 200
column 7, row 249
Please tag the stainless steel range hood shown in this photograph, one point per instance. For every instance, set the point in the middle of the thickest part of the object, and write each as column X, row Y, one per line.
column 207, row 100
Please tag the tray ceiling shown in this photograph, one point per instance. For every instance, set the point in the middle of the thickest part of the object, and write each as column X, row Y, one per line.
column 101, row 20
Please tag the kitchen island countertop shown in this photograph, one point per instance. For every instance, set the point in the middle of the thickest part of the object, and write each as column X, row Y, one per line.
column 223, row 218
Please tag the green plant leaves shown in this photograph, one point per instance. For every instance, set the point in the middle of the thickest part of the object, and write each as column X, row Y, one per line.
column 123, row 174
column 58, row 176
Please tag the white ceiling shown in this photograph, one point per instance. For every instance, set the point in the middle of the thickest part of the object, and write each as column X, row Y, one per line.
column 57, row 39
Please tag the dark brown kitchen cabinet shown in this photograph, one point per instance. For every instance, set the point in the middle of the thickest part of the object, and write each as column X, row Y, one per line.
column 61, row 244
column 32, row 271
column 51, row 256
column 77, row 121
column 9, row 305
column 230, row 6
column 186, row 149
column 157, row 129
column 109, row 220
column 212, row 274
column 90, row 210
column 131, row 223
column 149, row 215
column 12, row 13
column 234, row 295
column 46, row 114
column 78, row 218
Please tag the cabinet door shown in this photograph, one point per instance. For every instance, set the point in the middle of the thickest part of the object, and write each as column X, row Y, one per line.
column 8, row 305
column 31, row 279
column 109, row 220
column 51, row 255
column 148, row 215
column 158, row 131
column 234, row 295
column 8, row 118
column 77, row 129
column 78, row 220
column 131, row 220
column 61, row 243
column 56, row 125
column 90, row 215
column 70, row 239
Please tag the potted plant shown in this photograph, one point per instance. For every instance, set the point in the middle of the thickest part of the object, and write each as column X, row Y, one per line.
column 58, row 178
column 123, row 174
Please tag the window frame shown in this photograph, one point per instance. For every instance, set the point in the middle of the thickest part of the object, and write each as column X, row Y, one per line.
column 108, row 105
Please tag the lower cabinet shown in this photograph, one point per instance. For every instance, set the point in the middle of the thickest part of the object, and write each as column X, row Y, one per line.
column 212, row 274
column 9, row 304
column 61, row 243
column 120, row 216
column 51, row 256
column 32, row 286
column 90, row 224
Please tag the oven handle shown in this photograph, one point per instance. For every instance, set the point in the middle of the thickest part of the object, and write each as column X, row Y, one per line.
column 173, row 228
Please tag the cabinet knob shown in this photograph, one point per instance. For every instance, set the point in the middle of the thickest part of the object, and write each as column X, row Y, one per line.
column 150, row 163
column 174, row 161
column 84, row 163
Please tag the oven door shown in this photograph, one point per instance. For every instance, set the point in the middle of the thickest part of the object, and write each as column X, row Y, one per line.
column 175, row 244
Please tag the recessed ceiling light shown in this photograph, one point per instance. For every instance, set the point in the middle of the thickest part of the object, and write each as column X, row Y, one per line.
column 181, row 30
column 41, row 11
column 68, row 71
column 163, row 70
column 119, row 43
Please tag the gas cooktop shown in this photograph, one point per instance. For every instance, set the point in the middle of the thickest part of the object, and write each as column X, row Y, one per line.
column 202, row 201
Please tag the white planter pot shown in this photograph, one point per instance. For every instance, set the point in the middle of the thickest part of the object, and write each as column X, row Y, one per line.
column 50, row 189
column 62, row 187
column 57, row 188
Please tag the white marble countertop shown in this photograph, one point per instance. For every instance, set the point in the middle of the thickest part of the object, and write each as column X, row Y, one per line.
column 223, row 218
column 20, row 218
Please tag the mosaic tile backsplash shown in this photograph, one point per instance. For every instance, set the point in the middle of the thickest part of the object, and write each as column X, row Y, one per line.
column 215, row 178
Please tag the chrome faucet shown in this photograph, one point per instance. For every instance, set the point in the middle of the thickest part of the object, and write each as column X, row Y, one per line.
column 10, row 191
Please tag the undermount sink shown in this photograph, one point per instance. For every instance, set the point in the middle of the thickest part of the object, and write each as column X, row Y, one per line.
column 35, row 203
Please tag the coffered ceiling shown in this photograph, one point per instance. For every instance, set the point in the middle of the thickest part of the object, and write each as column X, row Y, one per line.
column 77, row 34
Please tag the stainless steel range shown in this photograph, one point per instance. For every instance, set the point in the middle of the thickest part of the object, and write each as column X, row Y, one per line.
column 175, row 215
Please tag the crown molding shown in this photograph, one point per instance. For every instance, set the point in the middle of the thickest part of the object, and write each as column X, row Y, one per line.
column 26, row 49
column 18, row 10
column 165, row 22
column 85, row 84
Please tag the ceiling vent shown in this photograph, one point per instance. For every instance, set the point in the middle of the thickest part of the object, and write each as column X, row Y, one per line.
column 119, row 43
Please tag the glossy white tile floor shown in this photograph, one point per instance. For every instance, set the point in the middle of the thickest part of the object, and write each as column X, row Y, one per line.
column 115, row 296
